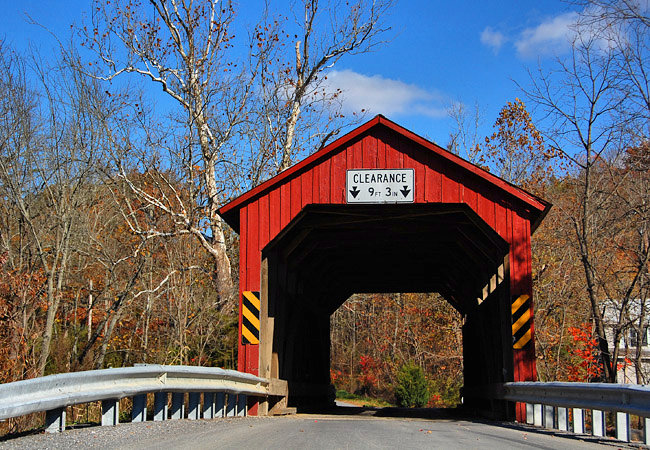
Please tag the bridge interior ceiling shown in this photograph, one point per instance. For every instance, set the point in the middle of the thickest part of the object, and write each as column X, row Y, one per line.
column 338, row 250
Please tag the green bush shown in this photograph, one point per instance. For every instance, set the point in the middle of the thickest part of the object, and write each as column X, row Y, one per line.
column 412, row 389
column 340, row 393
column 445, row 391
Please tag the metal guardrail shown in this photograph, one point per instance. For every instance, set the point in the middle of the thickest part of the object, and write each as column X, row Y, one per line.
column 53, row 393
column 629, row 398
column 548, row 405
column 225, row 392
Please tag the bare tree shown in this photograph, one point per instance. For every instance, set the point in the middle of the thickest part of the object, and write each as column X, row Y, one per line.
column 327, row 33
column 18, row 120
column 630, row 284
column 48, row 159
column 465, row 140
column 614, row 11
column 581, row 106
column 516, row 149
column 588, row 119
column 625, row 27
column 181, row 47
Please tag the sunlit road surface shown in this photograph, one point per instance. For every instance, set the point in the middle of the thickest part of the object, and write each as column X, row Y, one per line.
column 361, row 430
column 354, row 432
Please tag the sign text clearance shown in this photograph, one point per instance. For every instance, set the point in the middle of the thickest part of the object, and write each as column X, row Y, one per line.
column 380, row 185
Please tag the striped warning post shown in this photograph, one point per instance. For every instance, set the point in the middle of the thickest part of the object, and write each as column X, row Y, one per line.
column 521, row 313
column 250, row 327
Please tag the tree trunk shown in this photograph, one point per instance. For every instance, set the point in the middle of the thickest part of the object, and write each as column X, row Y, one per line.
column 99, row 364
column 217, row 248
column 288, row 143
column 52, row 306
column 584, row 246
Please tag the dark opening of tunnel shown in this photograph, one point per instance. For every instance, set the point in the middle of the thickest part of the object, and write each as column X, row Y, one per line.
column 329, row 252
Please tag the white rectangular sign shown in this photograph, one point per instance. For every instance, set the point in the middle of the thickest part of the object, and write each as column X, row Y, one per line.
column 380, row 185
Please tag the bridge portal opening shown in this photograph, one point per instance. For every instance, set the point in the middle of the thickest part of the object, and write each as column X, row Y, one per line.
column 374, row 336
column 329, row 252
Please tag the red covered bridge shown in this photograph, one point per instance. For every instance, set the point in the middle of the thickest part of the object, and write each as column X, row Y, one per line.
column 384, row 210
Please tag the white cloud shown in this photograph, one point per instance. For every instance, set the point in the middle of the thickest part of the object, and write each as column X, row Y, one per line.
column 552, row 36
column 492, row 38
column 380, row 95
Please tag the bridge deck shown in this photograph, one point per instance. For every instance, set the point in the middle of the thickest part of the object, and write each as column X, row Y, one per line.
column 362, row 429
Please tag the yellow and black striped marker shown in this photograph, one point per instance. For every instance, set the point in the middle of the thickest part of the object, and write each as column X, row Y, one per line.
column 521, row 333
column 250, row 327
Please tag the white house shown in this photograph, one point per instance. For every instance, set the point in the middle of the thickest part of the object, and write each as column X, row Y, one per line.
column 638, row 319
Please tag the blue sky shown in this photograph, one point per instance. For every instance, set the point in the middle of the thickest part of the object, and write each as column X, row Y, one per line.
column 440, row 52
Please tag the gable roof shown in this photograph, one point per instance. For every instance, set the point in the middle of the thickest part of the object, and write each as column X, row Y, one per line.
column 538, row 206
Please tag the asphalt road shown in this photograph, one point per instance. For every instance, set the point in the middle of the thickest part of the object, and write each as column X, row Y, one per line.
column 308, row 432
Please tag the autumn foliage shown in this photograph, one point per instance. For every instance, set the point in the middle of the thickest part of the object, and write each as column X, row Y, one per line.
column 587, row 366
column 375, row 336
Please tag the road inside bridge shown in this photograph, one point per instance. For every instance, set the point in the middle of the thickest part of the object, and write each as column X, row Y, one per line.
column 308, row 432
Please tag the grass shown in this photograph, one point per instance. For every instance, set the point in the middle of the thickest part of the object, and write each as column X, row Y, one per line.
column 361, row 400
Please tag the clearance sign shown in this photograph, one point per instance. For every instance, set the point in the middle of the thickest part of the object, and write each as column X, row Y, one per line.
column 379, row 185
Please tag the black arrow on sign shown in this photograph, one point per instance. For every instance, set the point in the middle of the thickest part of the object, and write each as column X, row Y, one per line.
column 405, row 191
column 354, row 191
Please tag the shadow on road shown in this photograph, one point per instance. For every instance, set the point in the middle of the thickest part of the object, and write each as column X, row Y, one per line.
column 459, row 415
column 407, row 413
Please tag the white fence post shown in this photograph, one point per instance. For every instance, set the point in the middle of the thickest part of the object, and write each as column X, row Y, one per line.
column 110, row 412
column 220, row 404
column 530, row 414
column 598, row 422
column 549, row 416
column 160, row 406
column 537, row 415
column 178, row 405
column 232, row 405
column 578, row 421
column 55, row 420
column 242, row 407
column 623, row 426
column 139, row 411
column 208, row 405
column 562, row 419
column 646, row 430
column 194, row 406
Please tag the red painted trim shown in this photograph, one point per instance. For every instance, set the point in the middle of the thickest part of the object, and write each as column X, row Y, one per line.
column 228, row 211
column 241, row 352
